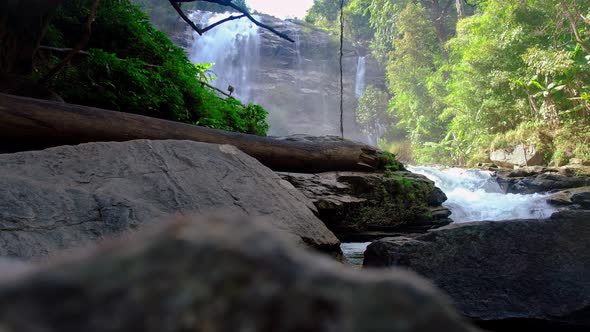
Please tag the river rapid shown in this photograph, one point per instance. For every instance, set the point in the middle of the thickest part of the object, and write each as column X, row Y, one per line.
column 473, row 195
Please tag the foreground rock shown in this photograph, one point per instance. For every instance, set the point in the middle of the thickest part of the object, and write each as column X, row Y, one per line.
column 218, row 275
column 531, row 272
column 360, row 206
column 68, row 196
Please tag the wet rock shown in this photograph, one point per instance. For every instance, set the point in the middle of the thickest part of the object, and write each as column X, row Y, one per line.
column 218, row 274
column 359, row 205
column 69, row 196
column 577, row 198
column 527, row 272
column 527, row 182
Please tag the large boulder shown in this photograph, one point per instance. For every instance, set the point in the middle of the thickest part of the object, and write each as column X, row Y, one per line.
column 532, row 272
column 68, row 196
column 520, row 155
column 525, row 182
column 571, row 199
column 217, row 274
column 359, row 206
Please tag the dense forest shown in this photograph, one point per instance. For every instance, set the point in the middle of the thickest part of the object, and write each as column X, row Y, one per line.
column 467, row 77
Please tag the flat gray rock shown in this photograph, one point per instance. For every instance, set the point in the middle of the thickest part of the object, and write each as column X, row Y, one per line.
column 68, row 196
column 223, row 275
column 527, row 270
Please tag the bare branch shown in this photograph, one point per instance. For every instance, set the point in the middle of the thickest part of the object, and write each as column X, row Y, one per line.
column 574, row 26
column 81, row 44
column 231, row 18
column 226, row 3
column 176, row 6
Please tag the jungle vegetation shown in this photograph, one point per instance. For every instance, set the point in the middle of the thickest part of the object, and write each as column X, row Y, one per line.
column 468, row 76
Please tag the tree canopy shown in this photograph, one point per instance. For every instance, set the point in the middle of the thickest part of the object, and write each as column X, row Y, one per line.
column 469, row 76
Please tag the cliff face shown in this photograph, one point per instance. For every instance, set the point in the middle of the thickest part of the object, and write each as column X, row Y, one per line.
column 298, row 83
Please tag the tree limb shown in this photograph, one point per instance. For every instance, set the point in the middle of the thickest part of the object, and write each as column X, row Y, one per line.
column 574, row 26
column 227, row 3
column 81, row 44
column 231, row 18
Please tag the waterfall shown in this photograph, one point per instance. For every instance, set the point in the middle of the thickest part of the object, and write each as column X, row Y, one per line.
column 359, row 86
column 474, row 195
column 297, row 83
column 233, row 47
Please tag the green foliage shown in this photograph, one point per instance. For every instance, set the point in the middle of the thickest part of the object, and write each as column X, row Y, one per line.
column 323, row 12
column 415, row 76
column 390, row 163
column 371, row 111
column 204, row 72
column 134, row 68
column 509, row 70
column 516, row 64
column 357, row 28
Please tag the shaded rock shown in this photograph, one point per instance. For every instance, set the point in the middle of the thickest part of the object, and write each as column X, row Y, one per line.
column 525, row 182
column 358, row 205
column 68, row 196
column 579, row 162
column 218, row 274
column 519, row 156
column 528, row 272
column 577, row 198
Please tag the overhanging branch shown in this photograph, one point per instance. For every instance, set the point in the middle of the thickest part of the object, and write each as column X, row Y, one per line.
column 227, row 3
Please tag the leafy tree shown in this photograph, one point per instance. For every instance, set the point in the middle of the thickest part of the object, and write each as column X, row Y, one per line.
column 516, row 63
column 414, row 75
column 506, row 70
column 371, row 112
column 132, row 67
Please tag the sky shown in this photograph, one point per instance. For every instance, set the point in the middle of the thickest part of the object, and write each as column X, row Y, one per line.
column 281, row 8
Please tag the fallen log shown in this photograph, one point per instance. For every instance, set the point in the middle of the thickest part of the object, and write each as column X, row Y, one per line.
column 31, row 124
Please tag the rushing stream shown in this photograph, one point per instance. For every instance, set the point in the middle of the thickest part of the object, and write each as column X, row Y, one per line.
column 233, row 47
column 473, row 195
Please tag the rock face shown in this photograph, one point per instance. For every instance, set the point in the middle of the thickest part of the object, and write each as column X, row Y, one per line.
column 522, row 182
column 67, row 196
column 359, row 206
column 572, row 199
column 220, row 275
column 297, row 83
column 528, row 271
column 519, row 156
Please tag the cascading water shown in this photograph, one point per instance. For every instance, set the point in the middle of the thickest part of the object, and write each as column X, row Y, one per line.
column 233, row 47
column 359, row 86
column 297, row 83
column 473, row 195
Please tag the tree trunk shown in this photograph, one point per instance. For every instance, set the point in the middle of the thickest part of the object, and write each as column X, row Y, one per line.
column 28, row 124
column 460, row 9
column 438, row 19
column 22, row 26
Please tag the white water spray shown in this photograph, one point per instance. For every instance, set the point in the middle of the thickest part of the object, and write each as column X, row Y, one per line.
column 233, row 47
column 361, row 69
column 474, row 195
